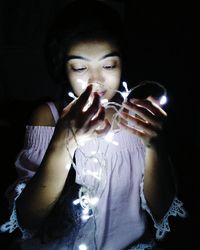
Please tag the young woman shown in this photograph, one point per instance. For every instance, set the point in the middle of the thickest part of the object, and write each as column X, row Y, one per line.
column 77, row 189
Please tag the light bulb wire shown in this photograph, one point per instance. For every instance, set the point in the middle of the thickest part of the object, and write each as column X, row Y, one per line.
column 91, row 191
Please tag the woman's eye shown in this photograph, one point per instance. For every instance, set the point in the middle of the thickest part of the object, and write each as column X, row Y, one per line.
column 109, row 67
column 78, row 69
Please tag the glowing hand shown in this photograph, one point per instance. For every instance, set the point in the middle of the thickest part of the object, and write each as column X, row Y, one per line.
column 145, row 119
column 82, row 123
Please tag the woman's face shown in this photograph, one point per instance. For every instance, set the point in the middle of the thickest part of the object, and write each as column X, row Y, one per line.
column 94, row 62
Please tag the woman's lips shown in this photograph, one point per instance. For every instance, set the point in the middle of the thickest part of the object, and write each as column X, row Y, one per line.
column 101, row 93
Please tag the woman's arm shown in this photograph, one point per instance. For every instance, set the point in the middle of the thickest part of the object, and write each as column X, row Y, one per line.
column 159, row 184
column 44, row 189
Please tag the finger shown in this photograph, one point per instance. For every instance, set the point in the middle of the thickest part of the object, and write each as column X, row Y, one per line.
column 94, row 107
column 144, row 113
column 132, row 130
column 82, row 100
column 151, row 105
column 67, row 108
column 98, row 119
column 157, row 104
column 104, row 130
column 144, row 124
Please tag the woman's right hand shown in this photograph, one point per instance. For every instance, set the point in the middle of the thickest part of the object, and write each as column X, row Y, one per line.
column 74, row 125
column 79, row 125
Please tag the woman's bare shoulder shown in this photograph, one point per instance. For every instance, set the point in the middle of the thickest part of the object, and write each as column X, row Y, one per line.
column 42, row 116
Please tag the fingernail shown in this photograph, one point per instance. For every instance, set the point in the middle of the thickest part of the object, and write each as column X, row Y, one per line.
column 133, row 100
column 89, row 87
column 96, row 94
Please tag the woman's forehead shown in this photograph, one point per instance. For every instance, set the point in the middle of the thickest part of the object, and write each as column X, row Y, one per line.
column 93, row 48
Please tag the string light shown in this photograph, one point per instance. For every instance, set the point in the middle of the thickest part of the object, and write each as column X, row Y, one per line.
column 85, row 217
column 76, row 202
column 95, row 160
column 95, row 174
column 109, row 136
column 125, row 86
column 125, row 93
column 85, row 214
column 104, row 101
column 87, row 197
column 115, row 143
column 71, row 94
column 83, row 247
column 94, row 201
column 163, row 100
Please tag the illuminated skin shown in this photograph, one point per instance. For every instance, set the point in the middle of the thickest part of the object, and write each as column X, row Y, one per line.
column 93, row 69
column 73, row 126
column 101, row 72
column 97, row 63
column 149, row 119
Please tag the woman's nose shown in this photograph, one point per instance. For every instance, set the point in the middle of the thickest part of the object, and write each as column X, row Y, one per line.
column 97, row 86
column 96, row 79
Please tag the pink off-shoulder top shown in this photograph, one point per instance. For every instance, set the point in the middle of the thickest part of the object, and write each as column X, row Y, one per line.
column 115, row 172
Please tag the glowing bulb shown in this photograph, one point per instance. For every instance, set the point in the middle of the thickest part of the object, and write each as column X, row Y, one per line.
column 94, row 174
column 85, row 211
column 82, row 247
column 70, row 94
column 83, row 140
column 85, row 217
column 109, row 136
column 84, row 201
column 125, row 86
column 95, row 160
column 82, row 143
column 85, row 214
column 76, row 202
column 104, row 101
column 163, row 100
column 115, row 143
column 94, row 201
column 124, row 94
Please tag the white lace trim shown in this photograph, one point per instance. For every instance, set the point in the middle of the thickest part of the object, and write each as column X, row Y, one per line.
column 162, row 227
column 143, row 246
column 13, row 224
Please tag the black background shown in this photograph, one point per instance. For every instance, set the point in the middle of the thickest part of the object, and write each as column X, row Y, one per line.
column 159, row 47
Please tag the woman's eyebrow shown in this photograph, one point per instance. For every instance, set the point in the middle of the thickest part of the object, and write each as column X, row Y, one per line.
column 76, row 57
column 112, row 54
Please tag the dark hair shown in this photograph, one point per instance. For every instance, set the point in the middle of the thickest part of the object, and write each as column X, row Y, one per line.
column 80, row 20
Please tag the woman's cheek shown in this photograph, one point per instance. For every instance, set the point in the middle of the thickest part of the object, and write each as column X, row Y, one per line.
column 78, row 85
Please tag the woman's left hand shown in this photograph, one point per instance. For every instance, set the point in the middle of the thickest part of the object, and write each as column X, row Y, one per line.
column 145, row 119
